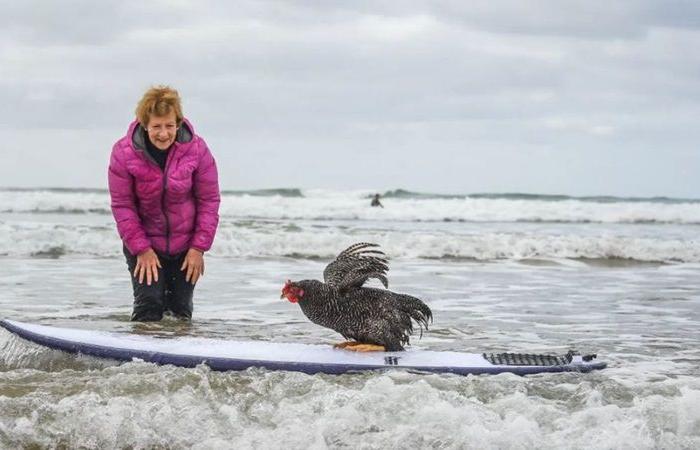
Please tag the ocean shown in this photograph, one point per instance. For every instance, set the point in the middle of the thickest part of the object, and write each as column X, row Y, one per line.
column 619, row 277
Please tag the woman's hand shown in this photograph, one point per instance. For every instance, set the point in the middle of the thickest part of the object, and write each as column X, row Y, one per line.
column 147, row 265
column 194, row 264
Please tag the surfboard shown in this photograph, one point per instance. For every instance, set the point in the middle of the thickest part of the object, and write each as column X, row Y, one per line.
column 222, row 355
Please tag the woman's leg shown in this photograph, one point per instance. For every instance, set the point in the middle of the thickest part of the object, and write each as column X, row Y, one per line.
column 148, row 300
column 179, row 292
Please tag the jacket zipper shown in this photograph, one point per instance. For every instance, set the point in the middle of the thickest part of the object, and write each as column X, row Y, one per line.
column 162, row 204
column 162, row 196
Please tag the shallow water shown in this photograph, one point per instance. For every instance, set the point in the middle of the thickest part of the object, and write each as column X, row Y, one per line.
column 641, row 315
column 644, row 321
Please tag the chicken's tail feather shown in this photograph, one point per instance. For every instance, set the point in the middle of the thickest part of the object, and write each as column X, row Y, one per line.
column 418, row 311
column 361, row 247
column 355, row 265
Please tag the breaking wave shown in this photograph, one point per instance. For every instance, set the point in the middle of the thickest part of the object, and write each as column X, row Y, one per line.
column 399, row 206
column 309, row 240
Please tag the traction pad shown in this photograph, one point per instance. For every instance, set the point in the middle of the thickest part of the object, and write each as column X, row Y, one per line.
column 526, row 359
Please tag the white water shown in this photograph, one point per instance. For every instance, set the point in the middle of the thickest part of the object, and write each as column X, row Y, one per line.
column 52, row 223
column 352, row 205
column 493, row 286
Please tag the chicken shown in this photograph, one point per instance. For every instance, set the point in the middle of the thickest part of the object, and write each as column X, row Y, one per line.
column 374, row 319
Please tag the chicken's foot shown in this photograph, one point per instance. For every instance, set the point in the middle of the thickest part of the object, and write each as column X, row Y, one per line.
column 346, row 344
column 360, row 347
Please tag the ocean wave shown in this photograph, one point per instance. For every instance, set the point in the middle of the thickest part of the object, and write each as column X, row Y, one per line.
column 61, row 210
column 398, row 193
column 140, row 405
column 403, row 193
column 282, row 192
column 325, row 205
column 406, row 194
column 591, row 199
column 284, row 239
column 467, row 210
column 64, row 190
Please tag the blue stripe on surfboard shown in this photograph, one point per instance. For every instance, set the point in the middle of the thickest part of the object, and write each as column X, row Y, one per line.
column 226, row 364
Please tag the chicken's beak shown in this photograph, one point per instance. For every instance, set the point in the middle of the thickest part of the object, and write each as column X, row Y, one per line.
column 282, row 296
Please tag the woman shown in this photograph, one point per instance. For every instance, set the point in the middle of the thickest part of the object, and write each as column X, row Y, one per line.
column 164, row 188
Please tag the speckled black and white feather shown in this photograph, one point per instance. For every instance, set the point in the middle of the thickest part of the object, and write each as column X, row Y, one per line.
column 355, row 265
column 363, row 314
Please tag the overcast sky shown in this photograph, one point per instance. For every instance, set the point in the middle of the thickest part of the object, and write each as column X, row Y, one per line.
column 552, row 96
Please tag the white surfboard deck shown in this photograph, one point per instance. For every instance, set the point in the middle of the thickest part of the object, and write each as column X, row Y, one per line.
column 222, row 354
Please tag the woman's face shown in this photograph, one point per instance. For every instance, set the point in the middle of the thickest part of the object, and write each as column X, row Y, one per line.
column 162, row 130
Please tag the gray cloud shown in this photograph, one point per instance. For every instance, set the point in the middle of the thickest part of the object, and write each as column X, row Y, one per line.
column 430, row 95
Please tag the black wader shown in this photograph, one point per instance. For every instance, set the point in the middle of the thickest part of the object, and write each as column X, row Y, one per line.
column 170, row 293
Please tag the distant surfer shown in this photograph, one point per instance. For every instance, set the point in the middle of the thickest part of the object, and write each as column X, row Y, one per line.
column 376, row 202
column 164, row 191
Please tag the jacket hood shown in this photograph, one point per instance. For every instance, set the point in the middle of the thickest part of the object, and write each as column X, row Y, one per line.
column 138, row 134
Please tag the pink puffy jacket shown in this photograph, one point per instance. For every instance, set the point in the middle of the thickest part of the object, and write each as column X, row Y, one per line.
column 171, row 210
